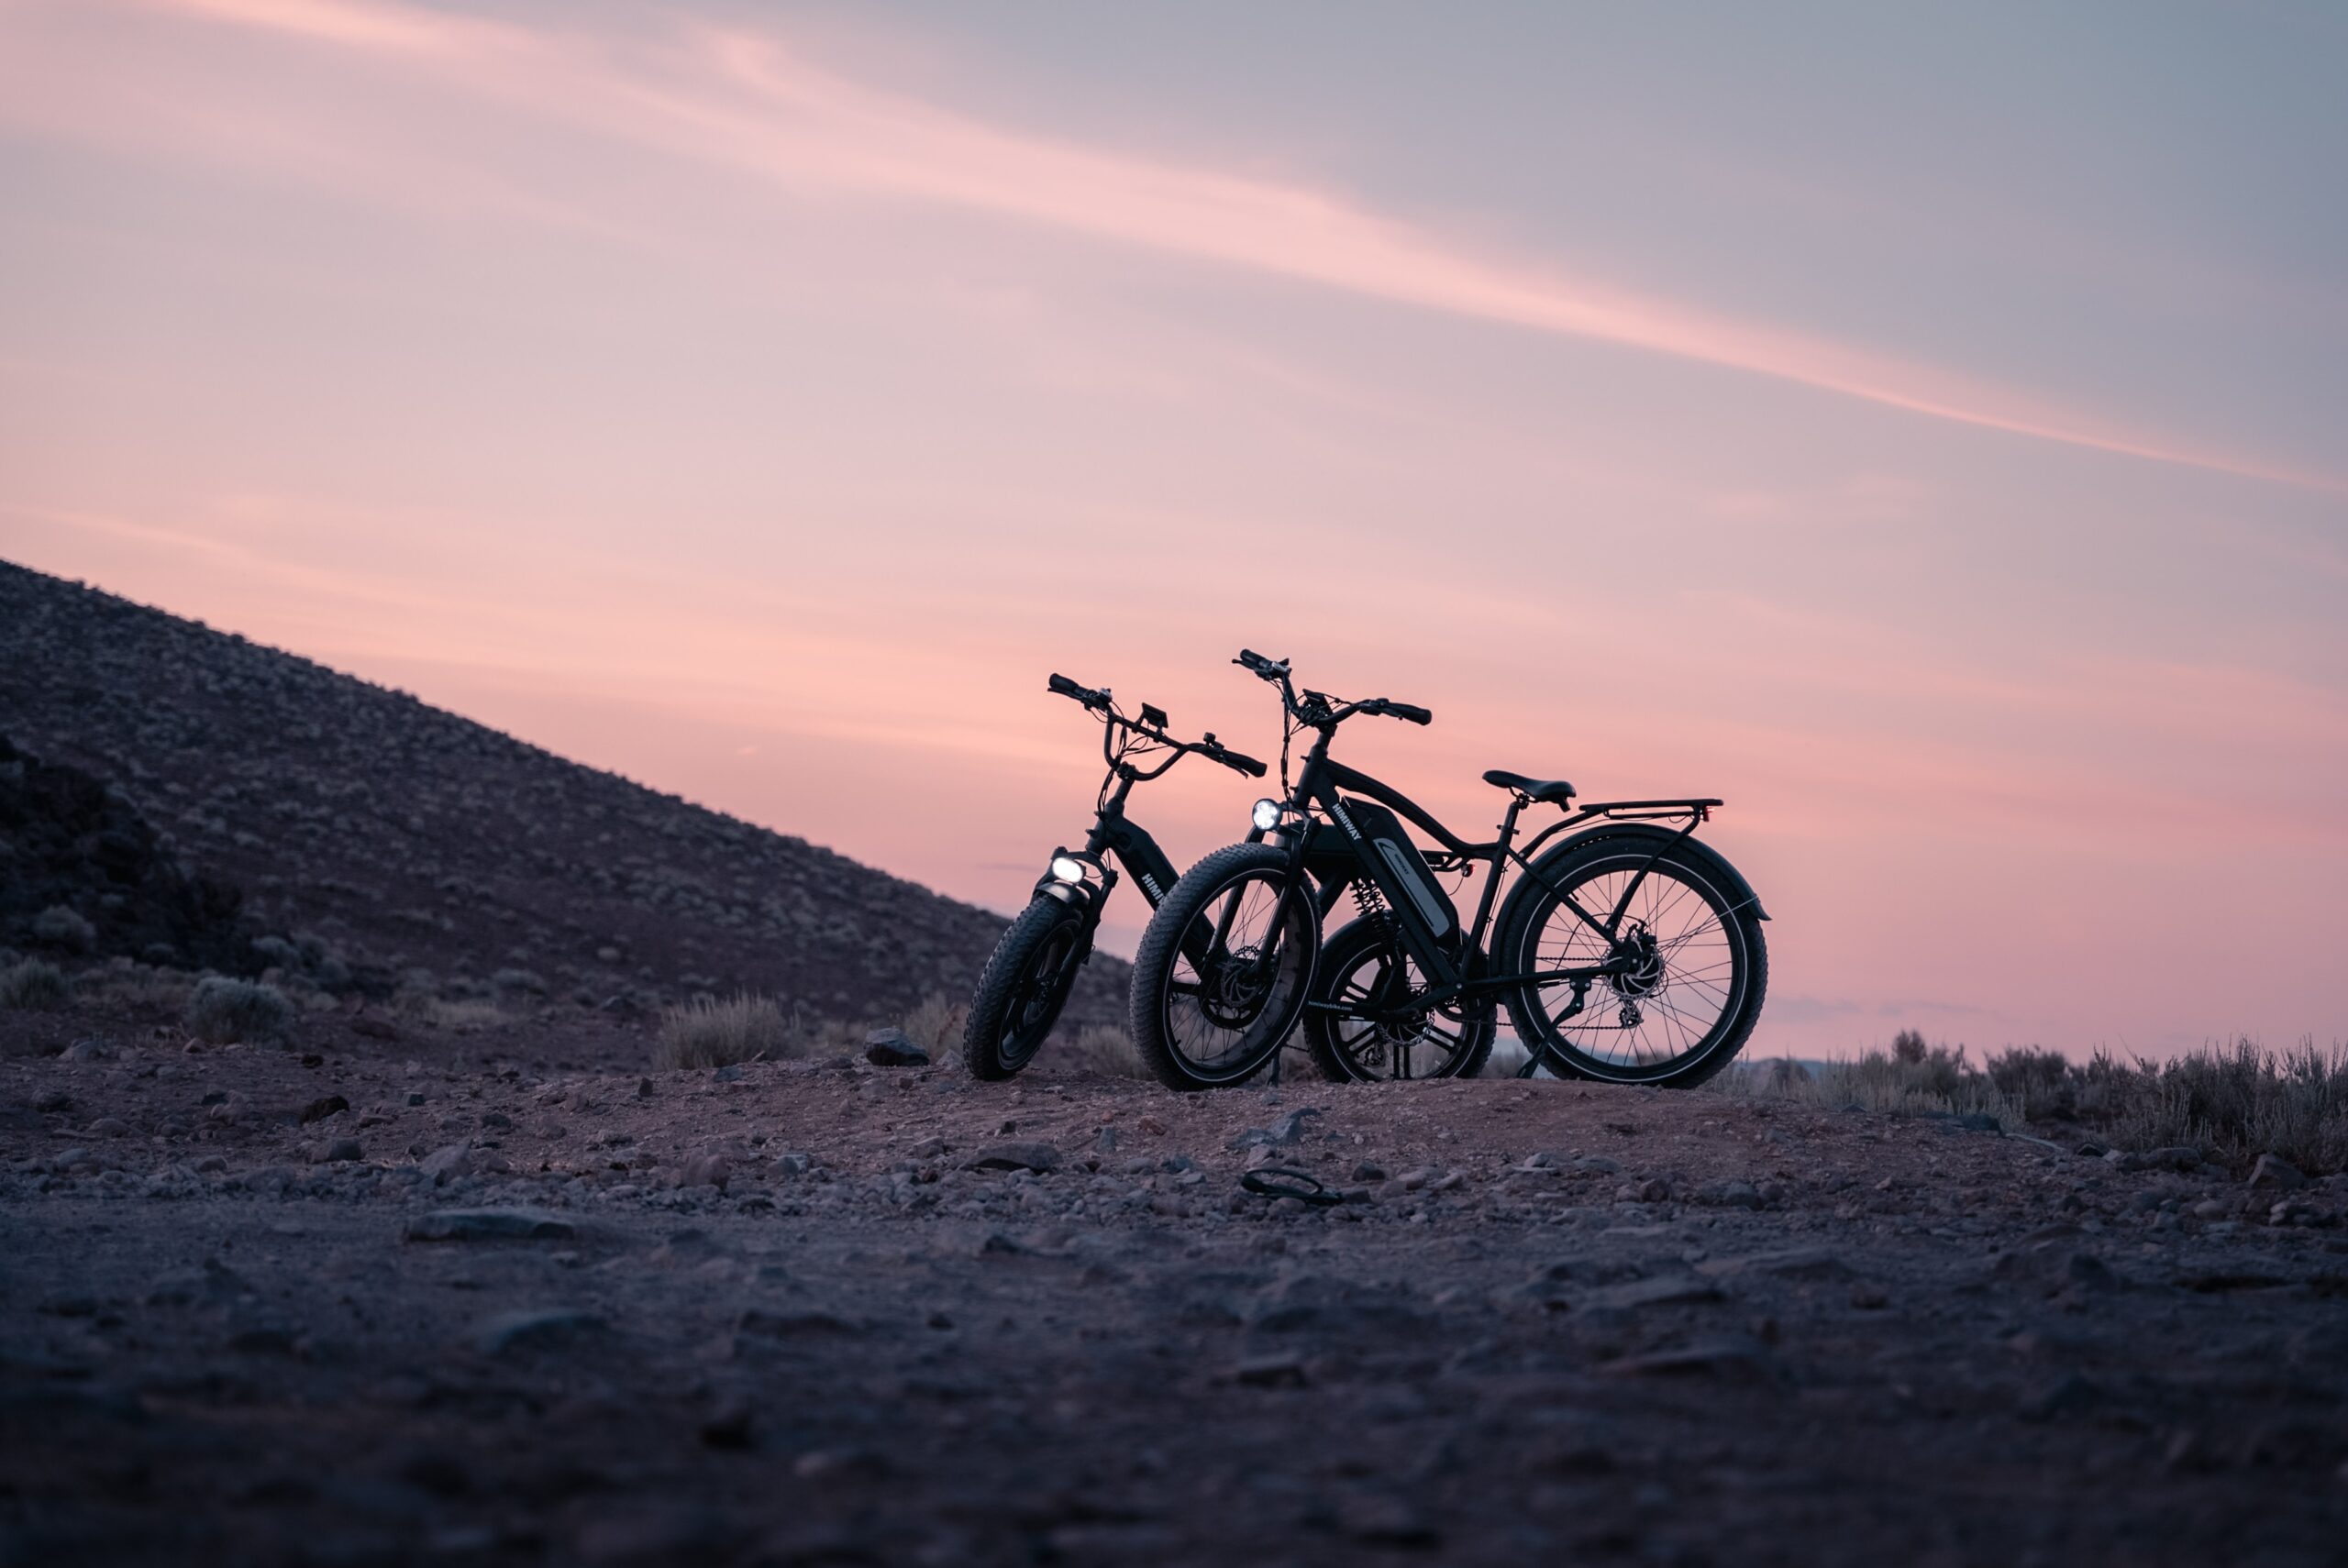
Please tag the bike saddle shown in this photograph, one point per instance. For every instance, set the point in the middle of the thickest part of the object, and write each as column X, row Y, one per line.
column 1549, row 791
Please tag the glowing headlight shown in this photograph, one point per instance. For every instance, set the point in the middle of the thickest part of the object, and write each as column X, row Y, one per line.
column 1066, row 868
column 1266, row 815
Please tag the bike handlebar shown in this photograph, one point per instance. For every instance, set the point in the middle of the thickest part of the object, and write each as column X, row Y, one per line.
column 1258, row 664
column 1241, row 761
column 1063, row 686
column 1318, row 707
column 1152, row 724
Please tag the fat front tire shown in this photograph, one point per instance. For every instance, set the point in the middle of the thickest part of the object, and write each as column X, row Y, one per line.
column 1224, row 969
column 1353, row 1040
column 1023, row 988
column 1672, row 1026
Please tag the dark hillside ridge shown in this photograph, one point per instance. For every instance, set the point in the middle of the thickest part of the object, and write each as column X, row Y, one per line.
column 82, row 874
column 390, row 839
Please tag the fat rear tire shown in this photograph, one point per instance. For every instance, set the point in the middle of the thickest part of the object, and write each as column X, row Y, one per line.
column 1558, row 1048
column 1343, row 955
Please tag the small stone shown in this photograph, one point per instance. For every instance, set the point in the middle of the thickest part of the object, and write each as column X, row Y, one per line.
column 491, row 1225
column 891, row 1048
column 1730, row 1361
column 1680, row 1291
column 1792, row 1263
column 541, row 1328
column 2067, row 1395
column 1369, row 1170
column 2273, row 1170
column 732, row 1423
column 319, row 1109
column 928, row 1149
column 708, row 1170
column 340, row 1151
column 1653, row 1190
column 771, row 1325
column 1284, row 1371
column 1288, row 1130
column 1037, row 1157
column 444, row 1166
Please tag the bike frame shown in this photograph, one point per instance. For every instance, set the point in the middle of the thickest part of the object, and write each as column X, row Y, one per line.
column 1456, row 976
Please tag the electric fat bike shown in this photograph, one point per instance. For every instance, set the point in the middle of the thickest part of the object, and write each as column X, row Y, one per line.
column 1628, row 952
column 1027, row 980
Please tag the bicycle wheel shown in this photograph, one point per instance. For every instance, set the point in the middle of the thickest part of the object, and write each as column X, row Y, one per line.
column 1023, row 988
column 1677, row 1018
column 1364, row 1022
column 1224, row 969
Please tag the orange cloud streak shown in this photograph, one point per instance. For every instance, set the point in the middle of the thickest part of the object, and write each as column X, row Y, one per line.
column 747, row 102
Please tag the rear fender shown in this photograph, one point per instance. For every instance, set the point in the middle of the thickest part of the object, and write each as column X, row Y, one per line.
column 1653, row 839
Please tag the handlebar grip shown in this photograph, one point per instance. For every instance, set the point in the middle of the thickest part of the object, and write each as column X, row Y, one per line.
column 1243, row 762
column 1062, row 686
column 1258, row 663
column 1415, row 714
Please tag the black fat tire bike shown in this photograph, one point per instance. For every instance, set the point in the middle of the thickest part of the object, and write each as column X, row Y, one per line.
column 1628, row 952
column 1027, row 980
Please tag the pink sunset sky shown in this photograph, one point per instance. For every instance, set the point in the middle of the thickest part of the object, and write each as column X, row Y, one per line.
column 1925, row 432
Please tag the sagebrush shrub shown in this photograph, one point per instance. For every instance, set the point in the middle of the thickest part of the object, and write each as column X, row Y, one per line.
column 2233, row 1103
column 223, row 1010
column 711, row 1032
column 1097, row 1051
column 61, row 927
column 33, row 985
column 937, row 1024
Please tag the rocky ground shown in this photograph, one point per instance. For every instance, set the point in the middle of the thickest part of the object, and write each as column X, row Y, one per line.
column 505, row 1297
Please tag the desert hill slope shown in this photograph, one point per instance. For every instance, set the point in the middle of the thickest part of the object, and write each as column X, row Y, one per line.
column 416, row 848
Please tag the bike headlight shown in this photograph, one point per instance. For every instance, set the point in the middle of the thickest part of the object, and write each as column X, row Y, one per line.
column 1266, row 815
column 1066, row 868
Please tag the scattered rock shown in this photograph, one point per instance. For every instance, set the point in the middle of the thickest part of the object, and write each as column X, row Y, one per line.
column 891, row 1048
column 319, row 1109
column 1037, row 1157
column 708, row 1170
column 444, row 1166
column 1282, row 1371
column 539, row 1328
column 1792, row 1263
column 491, row 1225
column 1287, row 1131
column 764, row 1324
column 1669, row 1291
column 2274, row 1171
column 1731, row 1360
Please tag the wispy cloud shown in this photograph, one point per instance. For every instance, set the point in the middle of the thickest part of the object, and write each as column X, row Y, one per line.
column 748, row 102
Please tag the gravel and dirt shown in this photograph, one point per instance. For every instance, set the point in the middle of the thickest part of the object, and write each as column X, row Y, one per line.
column 506, row 1298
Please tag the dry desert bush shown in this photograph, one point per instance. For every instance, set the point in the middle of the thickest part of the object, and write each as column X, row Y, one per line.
column 1097, row 1051
column 222, row 1010
column 935, row 1025
column 710, row 1031
column 33, row 985
column 2233, row 1103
